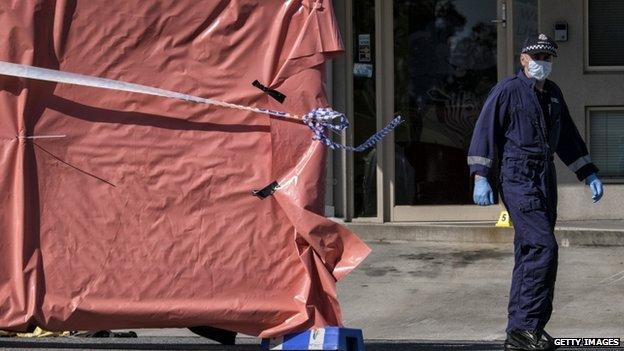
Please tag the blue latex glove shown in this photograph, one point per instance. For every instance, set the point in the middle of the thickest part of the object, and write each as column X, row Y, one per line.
column 483, row 194
column 596, row 187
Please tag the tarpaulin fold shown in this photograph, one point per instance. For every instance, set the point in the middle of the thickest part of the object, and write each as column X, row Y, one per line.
column 121, row 210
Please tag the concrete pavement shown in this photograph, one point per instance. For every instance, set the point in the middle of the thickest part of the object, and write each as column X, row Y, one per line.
column 440, row 291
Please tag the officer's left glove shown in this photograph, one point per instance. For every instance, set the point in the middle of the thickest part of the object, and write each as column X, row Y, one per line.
column 483, row 194
column 596, row 187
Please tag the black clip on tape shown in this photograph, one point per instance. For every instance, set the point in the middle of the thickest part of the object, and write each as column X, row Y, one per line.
column 266, row 191
column 271, row 92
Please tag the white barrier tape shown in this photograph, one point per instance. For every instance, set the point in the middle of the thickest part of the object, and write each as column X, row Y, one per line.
column 41, row 136
column 51, row 75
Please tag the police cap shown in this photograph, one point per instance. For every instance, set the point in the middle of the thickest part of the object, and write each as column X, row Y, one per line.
column 539, row 43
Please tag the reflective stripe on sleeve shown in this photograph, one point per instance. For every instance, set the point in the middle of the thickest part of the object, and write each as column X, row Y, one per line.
column 478, row 160
column 580, row 163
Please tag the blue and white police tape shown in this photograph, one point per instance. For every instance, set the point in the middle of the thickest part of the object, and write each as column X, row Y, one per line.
column 322, row 120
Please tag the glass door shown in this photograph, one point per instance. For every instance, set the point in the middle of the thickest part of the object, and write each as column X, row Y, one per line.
column 364, row 107
column 446, row 59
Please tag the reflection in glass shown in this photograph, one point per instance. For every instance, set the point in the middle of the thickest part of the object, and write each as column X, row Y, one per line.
column 445, row 65
column 525, row 24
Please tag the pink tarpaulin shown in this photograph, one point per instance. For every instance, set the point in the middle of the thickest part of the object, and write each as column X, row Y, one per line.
column 122, row 210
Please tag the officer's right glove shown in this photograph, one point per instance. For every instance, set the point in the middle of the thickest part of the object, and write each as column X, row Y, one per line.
column 483, row 194
column 596, row 187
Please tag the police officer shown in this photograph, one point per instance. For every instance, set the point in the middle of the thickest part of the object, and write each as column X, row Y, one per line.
column 524, row 121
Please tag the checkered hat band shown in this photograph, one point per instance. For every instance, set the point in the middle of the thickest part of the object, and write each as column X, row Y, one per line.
column 539, row 47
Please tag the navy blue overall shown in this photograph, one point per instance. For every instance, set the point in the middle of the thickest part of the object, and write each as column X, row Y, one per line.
column 517, row 136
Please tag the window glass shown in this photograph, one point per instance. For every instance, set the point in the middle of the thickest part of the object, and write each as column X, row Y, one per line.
column 607, row 142
column 606, row 32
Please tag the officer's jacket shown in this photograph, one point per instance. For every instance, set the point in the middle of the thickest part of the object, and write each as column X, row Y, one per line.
column 511, row 124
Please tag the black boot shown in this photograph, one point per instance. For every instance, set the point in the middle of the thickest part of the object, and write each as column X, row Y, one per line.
column 548, row 338
column 523, row 340
column 224, row 337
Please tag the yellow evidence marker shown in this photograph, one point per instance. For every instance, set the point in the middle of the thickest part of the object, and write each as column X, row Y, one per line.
column 504, row 220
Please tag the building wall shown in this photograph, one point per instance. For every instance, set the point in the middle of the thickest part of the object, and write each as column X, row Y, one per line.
column 581, row 89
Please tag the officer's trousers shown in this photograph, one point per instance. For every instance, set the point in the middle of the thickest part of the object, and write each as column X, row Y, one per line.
column 529, row 191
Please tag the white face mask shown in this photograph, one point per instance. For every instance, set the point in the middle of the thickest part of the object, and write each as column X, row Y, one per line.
column 539, row 69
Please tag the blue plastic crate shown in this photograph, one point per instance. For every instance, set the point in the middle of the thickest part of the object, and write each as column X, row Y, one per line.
column 329, row 338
